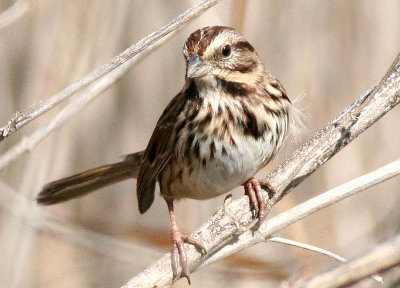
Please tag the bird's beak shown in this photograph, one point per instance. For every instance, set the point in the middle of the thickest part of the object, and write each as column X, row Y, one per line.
column 196, row 67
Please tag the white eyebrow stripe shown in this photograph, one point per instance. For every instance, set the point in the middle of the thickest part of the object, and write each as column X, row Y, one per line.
column 223, row 37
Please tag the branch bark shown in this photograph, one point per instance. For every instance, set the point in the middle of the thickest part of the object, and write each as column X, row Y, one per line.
column 20, row 119
column 229, row 226
column 74, row 107
column 305, row 209
column 379, row 259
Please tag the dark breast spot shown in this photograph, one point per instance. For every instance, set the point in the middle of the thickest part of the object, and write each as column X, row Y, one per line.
column 204, row 162
column 197, row 149
column 180, row 174
column 192, row 92
column 190, row 141
column 251, row 127
column 232, row 141
column 212, row 150
column 206, row 120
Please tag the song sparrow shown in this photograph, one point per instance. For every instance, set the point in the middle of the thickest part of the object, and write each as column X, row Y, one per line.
column 228, row 122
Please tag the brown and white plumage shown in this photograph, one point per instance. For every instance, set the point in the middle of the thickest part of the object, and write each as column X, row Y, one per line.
column 221, row 128
column 228, row 121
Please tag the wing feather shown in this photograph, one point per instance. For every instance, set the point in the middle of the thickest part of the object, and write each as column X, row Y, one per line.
column 158, row 152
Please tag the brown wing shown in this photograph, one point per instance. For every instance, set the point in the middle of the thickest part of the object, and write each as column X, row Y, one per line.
column 158, row 152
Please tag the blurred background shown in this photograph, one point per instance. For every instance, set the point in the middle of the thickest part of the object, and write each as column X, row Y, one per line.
column 328, row 52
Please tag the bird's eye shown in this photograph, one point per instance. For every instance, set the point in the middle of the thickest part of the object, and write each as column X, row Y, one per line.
column 226, row 51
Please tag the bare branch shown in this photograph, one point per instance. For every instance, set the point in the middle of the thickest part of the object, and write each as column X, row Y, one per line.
column 14, row 12
column 364, row 112
column 379, row 259
column 307, row 208
column 20, row 119
column 73, row 108
column 227, row 225
column 317, row 250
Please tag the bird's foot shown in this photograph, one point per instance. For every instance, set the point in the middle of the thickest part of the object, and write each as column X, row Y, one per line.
column 253, row 189
column 179, row 252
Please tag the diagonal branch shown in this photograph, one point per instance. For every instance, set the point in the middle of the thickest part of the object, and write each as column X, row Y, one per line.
column 226, row 226
column 20, row 119
column 307, row 208
column 382, row 258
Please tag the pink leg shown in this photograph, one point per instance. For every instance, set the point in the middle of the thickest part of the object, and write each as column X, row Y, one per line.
column 178, row 240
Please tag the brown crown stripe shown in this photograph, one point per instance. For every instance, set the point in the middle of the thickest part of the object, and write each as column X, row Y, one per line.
column 203, row 41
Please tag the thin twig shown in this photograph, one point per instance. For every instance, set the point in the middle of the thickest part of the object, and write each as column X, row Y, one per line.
column 307, row 247
column 317, row 250
column 20, row 119
column 222, row 228
column 29, row 142
column 14, row 12
column 381, row 258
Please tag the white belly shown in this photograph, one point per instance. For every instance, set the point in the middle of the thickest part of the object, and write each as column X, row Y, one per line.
column 226, row 171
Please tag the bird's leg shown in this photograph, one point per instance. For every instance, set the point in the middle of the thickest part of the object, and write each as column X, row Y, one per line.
column 178, row 241
column 253, row 189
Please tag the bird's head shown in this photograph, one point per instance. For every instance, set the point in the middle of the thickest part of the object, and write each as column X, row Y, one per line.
column 219, row 51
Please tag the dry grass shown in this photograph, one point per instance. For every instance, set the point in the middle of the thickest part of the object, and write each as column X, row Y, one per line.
column 330, row 50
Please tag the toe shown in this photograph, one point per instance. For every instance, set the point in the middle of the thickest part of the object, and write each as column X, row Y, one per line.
column 194, row 242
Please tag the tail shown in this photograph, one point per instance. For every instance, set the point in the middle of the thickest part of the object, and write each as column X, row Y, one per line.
column 83, row 183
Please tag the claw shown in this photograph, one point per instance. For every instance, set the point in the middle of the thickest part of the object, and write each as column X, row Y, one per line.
column 255, row 192
column 248, row 186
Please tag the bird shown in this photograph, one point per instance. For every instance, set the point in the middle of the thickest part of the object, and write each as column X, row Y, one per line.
column 228, row 121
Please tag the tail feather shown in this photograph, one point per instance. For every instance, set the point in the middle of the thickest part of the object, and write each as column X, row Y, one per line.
column 83, row 183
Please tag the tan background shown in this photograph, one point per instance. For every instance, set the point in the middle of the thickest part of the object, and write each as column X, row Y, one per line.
column 328, row 51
